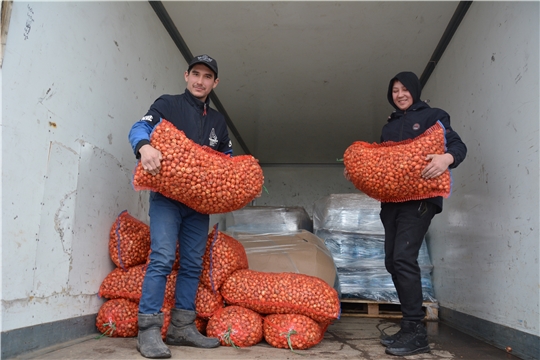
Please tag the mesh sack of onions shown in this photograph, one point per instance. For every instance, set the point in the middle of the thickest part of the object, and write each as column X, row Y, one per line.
column 118, row 318
column 282, row 293
column 391, row 171
column 127, row 284
column 207, row 302
column 129, row 241
column 206, row 180
column 223, row 256
column 166, row 310
column 236, row 326
column 292, row 331
column 201, row 324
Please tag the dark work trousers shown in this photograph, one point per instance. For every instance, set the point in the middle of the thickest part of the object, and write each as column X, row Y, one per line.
column 405, row 226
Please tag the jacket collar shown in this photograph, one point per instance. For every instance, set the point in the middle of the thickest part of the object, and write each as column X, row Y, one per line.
column 192, row 100
column 414, row 107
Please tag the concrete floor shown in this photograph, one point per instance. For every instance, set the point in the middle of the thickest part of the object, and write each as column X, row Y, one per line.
column 347, row 338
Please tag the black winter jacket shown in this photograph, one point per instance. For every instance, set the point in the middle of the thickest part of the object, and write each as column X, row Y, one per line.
column 414, row 121
column 200, row 123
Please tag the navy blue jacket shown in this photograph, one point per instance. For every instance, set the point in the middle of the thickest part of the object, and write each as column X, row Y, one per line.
column 419, row 117
column 200, row 123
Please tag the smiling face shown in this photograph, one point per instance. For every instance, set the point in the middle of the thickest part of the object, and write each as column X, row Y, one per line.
column 200, row 81
column 401, row 96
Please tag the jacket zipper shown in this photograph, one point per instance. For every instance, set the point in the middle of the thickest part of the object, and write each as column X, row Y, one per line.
column 401, row 130
column 201, row 127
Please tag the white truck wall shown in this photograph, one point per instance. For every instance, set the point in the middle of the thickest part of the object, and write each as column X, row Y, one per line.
column 302, row 185
column 484, row 246
column 76, row 76
column 297, row 185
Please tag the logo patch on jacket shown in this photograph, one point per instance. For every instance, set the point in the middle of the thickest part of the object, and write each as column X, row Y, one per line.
column 147, row 118
column 213, row 138
column 416, row 126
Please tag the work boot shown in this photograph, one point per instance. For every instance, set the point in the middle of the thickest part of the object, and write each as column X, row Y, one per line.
column 149, row 341
column 388, row 340
column 182, row 331
column 413, row 340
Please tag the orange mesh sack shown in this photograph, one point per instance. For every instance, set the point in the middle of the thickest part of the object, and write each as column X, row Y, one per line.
column 206, row 180
column 292, row 331
column 223, row 256
column 201, row 324
column 282, row 293
column 166, row 310
column 128, row 284
column 118, row 318
column 207, row 302
column 391, row 171
column 236, row 326
column 129, row 241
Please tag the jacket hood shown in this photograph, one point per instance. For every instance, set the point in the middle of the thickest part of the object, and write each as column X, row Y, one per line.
column 410, row 81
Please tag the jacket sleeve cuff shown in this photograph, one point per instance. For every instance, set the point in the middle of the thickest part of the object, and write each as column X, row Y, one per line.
column 139, row 145
column 455, row 163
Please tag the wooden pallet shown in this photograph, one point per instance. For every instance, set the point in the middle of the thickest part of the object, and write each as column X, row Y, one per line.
column 375, row 309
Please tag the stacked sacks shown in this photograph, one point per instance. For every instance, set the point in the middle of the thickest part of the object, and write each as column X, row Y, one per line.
column 127, row 284
column 237, row 305
column 129, row 249
column 282, row 293
column 304, row 305
column 207, row 181
column 129, row 241
column 118, row 318
column 292, row 331
column 297, row 308
column 223, row 256
column 236, row 326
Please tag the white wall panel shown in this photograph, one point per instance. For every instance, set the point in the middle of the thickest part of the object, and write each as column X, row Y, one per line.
column 76, row 76
column 301, row 185
column 485, row 244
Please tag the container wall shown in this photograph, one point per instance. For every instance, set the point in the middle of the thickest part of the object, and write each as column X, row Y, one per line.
column 301, row 185
column 76, row 76
column 484, row 246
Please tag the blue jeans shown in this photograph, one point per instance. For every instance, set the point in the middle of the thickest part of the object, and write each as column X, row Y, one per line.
column 172, row 221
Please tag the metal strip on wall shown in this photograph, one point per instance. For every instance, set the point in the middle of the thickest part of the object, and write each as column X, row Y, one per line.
column 163, row 15
column 453, row 25
column 7, row 5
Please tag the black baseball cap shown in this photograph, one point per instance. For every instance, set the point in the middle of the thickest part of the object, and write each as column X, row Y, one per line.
column 205, row 60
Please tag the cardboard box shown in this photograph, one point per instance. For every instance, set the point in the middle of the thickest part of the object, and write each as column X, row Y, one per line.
column 297, row 252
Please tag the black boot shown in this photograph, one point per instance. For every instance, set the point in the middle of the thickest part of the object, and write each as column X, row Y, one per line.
column 388, row 340
column 182, row 331
column 413, row 340
column 149, row 341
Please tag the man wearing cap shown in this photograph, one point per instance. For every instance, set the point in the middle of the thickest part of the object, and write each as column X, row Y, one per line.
column 172, row 222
